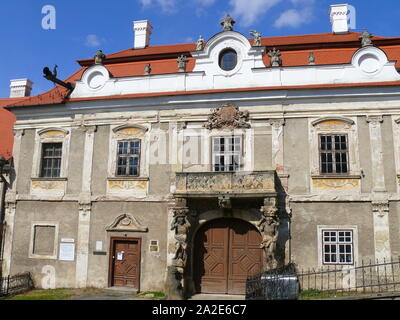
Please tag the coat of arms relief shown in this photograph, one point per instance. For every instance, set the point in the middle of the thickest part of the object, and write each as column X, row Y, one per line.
column 228, row 116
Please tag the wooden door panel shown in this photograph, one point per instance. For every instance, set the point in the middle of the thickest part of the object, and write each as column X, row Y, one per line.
column 126, row 264
column 227, row 251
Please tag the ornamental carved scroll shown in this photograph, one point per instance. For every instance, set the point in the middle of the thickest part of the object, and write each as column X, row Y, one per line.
column 227, row 116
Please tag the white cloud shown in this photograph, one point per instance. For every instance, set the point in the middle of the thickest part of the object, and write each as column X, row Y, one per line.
column 92, row 40
column 249, row 11
column 294, row 18
column 167, row 6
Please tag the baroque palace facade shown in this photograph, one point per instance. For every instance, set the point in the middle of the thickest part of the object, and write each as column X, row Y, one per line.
column 188, row 167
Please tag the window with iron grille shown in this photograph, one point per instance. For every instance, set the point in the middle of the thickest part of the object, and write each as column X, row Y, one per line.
column 51, row 160
column 334, row 153
column 337, row 246
column 128, row 158
column 227, row 153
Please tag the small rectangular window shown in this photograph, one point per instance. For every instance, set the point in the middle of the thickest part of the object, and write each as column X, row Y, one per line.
column 51, row 160
column 337, row 247
column 128, row 158
column 227, row 153
column 334, row 157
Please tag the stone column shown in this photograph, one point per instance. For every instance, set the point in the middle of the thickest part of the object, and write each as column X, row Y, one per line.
column 85, row 207
column 378, row 172
column 10, row 205
column 380, row 203
column 380, row 210
column 277, row 144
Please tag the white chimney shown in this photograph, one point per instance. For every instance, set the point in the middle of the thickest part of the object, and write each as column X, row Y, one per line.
column 339, row 18
column 20, row 88
column 142, row 30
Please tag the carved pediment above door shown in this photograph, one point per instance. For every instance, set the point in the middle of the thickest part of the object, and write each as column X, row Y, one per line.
column 228, row 116
column 126, row 223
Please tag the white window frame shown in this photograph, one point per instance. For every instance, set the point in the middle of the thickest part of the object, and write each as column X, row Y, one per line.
column 53, row 256
column 227, row 153
column 322, row 228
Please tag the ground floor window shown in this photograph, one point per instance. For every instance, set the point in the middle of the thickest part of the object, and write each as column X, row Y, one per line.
column 337, row 246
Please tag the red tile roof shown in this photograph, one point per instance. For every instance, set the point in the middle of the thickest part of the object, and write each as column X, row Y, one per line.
column 327, row 47
column 7, row 120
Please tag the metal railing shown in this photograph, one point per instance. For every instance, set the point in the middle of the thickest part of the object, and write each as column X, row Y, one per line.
column 275, row 284
column 368, row 277
column 19, row 283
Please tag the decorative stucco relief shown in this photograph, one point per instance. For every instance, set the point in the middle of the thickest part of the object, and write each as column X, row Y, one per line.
column 126, row 223
column 228, row 116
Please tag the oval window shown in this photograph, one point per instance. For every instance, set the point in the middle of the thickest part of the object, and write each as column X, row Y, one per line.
column 228, row 59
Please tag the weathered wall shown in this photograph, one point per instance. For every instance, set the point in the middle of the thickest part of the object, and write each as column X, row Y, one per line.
column 388, row 155
column 364, row 148
column 308, row 216
column 151, row 215
column 296, row 155
column 75, row 162
column 25, row 162
column 100, row 162
column 28, row 212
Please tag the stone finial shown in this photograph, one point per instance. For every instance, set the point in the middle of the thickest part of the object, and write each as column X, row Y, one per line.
column 257, row 38
column 366, row 38
column 147, row 69
column 200, row 43
column 182, row 60
column 227, row 23
column 311, row 59
column 99, row 57
column 275, row 60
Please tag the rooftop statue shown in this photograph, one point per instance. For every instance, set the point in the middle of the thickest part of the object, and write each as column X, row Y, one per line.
column 200, row 43
column 257, row 38
column 147, row 69
column 311, row 59
column 366, row 38
column 275, row 60
column 99, row 57
column 227, row 23
column 182, row 60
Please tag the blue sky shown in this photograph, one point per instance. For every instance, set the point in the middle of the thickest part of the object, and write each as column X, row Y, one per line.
column 83, row 27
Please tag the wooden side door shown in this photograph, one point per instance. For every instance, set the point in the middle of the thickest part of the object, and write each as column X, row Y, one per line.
column 211, row 261
column 245, row 255
column 125, row 263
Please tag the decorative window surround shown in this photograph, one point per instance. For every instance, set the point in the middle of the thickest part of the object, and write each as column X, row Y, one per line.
column 41, row 186
column 53, row 256
column 133, row 186
column 335, row 183
column 352, row 228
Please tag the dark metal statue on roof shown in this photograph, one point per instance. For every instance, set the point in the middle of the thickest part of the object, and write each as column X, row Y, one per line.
column 227, row 23
column 275, row 60
column 257, row 38
column 366, row 38
column 99, row 57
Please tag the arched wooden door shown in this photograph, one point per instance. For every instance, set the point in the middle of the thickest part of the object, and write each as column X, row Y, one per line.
column 226, row 251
